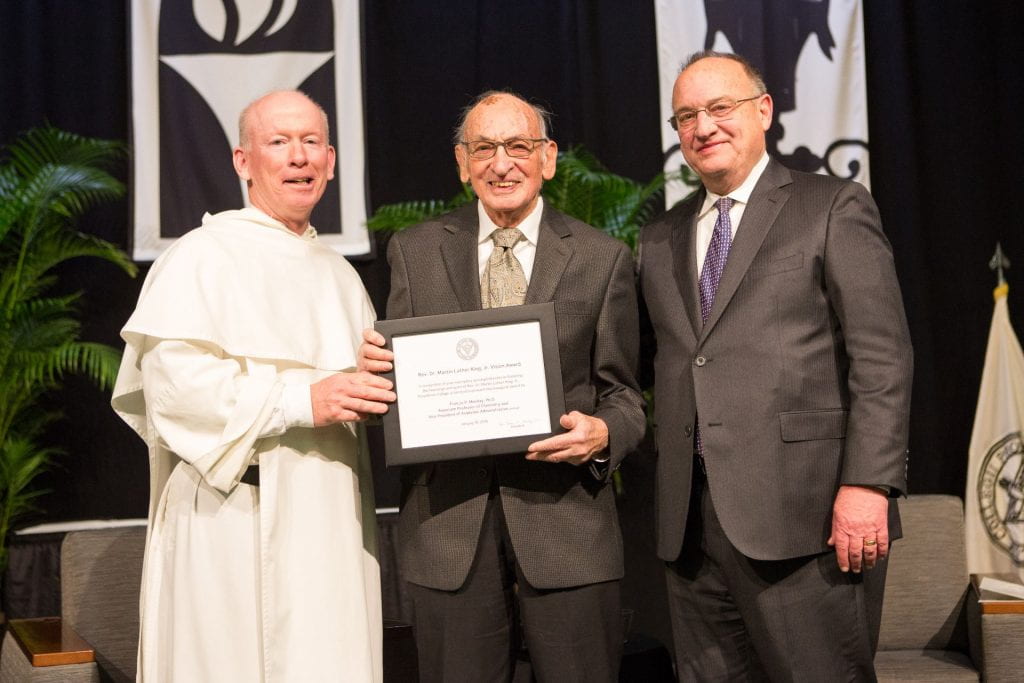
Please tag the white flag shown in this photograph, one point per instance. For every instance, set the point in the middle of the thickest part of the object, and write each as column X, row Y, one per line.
column 995, row 473
column 811, row 55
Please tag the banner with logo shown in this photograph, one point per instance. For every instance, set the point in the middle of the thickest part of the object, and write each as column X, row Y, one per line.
column 811, row 53
column 195, row 65
column 995, row 472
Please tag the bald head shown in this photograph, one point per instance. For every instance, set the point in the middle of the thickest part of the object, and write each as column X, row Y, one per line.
column 508, row 181
column 541, row 116
column 284, row 156
column 245, row 119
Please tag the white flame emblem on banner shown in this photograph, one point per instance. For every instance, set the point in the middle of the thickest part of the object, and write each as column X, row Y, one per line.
column 212, row 17
column 229, row 81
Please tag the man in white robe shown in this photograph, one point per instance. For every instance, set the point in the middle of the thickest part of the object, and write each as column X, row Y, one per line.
column 239, row 373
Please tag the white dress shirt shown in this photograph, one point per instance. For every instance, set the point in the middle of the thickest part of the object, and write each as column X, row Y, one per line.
column 525, row 250
column 708, row 215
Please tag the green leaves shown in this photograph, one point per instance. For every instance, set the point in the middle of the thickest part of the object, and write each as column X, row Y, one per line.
column 394, row 217
column 585, row 189
column 21, row 461
column 48, row 179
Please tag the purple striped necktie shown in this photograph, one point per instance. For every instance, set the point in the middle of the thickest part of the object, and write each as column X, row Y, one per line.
column 714, row 263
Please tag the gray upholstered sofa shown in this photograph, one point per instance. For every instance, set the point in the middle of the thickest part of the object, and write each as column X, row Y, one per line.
column 933, row 626
column 101, row 570
column 100, row 574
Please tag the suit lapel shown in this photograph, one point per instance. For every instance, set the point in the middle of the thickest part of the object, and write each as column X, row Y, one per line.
column 766, row 201
column 459, row 252
column 684, row 260
column 554, row 248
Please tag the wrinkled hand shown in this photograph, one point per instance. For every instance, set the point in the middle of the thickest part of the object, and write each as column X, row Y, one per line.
column 349, row 397
column 860, row 527
column 586, row 437
column 373, row 357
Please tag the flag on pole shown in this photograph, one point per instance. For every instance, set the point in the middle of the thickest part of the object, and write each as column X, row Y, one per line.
column 995, row 475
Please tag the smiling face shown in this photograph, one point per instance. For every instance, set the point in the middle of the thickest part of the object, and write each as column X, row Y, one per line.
column 507, row 187
column 721, row 152
column 285, row 158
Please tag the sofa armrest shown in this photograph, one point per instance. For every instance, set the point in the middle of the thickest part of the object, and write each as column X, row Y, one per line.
column 999, row 620
column 44, row 650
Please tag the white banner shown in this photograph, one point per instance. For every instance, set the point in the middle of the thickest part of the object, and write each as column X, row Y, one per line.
column 811, row 53
column 195, row 65
column 995, row 471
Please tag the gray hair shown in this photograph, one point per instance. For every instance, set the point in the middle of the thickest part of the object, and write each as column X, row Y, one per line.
column 752, row 73
column 542, row 114
column 246, row 115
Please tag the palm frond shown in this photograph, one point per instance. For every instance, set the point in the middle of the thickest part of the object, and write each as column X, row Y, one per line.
column 48, row 178
column 52, row 174
column 21, row 462
column 48, row 144
column 45, row 366
column 394, row 217
column 584, row 188
column 62, row 245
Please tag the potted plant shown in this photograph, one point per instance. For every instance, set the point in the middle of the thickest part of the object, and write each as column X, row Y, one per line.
column 48, row 179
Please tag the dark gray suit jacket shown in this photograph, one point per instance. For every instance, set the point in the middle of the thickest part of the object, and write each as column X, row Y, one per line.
column 800, row 377
column 561, row 519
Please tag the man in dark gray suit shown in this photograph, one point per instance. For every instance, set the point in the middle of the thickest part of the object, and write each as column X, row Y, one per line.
column 782, row 392
column 488, row 541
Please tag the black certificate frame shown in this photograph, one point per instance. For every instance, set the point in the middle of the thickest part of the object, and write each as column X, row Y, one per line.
column 395, row 453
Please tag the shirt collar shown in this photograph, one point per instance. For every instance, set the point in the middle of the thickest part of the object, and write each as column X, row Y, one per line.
column 530, row 226
column 741, row 193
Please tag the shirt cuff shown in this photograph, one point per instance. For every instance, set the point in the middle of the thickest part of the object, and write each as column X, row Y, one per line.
column 599, row 467
column 297, row 406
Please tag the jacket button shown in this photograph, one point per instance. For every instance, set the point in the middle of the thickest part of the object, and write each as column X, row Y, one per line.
column 700, row 361
column 688, row 430
column 484, row 473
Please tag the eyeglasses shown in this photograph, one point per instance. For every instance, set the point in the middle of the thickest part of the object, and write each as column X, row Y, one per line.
column 686, row 119
column 517, row 148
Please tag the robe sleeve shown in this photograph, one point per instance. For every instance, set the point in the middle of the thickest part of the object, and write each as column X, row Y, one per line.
column 210, row 408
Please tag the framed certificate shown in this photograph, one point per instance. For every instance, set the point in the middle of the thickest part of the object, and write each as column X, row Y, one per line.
column 472, row 384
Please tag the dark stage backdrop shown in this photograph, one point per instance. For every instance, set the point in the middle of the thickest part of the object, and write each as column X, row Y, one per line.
column 945, row 107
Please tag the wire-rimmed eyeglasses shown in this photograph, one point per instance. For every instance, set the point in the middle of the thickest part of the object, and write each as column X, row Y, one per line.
column 517, row 148
column 719, row 110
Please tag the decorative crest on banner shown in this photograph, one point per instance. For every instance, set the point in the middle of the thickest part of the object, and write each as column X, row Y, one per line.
column 811, row 55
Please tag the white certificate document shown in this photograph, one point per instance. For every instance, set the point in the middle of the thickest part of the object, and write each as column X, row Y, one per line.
column 471, row 384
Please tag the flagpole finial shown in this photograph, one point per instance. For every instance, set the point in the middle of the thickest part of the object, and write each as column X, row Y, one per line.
column 998, row 263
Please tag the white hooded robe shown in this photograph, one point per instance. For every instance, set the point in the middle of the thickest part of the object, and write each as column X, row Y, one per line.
column 278, row 582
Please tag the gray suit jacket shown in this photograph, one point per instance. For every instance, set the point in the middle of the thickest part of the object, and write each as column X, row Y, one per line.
column 800, row 377
column 561, row 519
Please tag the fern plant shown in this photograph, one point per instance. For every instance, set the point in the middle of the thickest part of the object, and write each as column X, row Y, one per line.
column 393, row 217
column 48, row 179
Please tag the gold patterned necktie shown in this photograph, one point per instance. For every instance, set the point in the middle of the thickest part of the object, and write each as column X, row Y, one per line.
column 503, row 282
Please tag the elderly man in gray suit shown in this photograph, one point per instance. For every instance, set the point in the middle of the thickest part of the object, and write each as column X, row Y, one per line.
column 490, row 541
column 782, row 392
